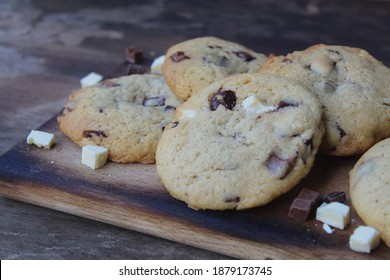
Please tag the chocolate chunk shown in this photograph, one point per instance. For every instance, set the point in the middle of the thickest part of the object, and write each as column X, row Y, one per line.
column 214, row 46
column 178, row 56
column 169, row 108
column 309, row 143
column 244, row 56
column 174, row 124
column 279, row 166
column 334, row 197
column 333, row 51
column 225, row 98
column 134, row 55
column 303, row 205
column 91, row 133
column 386, row 104
column 340, row 130
column 153, row 101
column 232, row 199
column 221, row 61
column 283, row 104
column 108, row 84
column 286, row 60
column 136, row 69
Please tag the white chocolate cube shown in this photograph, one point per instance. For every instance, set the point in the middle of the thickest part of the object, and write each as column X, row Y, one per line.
column 364, row 239
column 94, row 156
column 252, row 104
column 156, row 67
column 334, row 214
column 91, row 79
column 41, row 139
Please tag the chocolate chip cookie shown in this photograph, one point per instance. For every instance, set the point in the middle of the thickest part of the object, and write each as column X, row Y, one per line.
column 353, row 87
column 240, row 142
column 125, row 115
column 370, row 188
column 191, row 65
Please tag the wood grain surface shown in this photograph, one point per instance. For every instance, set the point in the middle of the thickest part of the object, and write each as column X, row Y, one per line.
column 131, row 196
column 47, row 46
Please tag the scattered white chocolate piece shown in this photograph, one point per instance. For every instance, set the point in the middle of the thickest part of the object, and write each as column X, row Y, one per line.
column 156, row 67
column 327, row 228
column 252, row 104
column 41, row 139
column 94, row 156
column 334, row 214
column 91, row 79
column 364, row 239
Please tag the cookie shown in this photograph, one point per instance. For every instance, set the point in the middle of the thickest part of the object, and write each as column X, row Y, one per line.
column 194, row 64
column 125, row 115
column 353, row 87
column 370, row 188
column 240, row 142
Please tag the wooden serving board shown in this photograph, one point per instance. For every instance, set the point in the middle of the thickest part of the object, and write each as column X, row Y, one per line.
column 131, row 196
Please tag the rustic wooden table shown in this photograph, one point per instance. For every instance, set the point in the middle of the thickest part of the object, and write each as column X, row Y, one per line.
column 47, row 46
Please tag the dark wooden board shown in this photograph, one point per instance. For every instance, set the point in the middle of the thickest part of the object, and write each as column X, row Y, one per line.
column 131, row 196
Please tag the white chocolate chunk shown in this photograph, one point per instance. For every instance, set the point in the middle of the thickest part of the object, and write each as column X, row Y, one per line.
column 41, row 139
column 94, row 156
column 327, row 228
column 156, row 67
column 91, row 79
column 364, row 239
column 189, row 114
column 334, row 214
column 252, row 104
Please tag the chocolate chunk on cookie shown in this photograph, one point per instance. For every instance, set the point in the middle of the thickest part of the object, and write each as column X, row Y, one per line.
column 240, row 142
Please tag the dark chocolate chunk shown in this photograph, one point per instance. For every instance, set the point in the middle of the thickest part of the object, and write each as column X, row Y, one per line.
column 303, row 205
column 279, row 166
column 286, row 60
column 153, row 101
column 174, row 124
column 169, row 108
column 334, row 197
column 232, row 199
column 309, row 143
column 244, row 56
column 226, row 98
column 92, row 133
column 340, row 130
column 221, row 61
column 333, row 51
column 178, row 56
column 108, row 84
column 386, row 104
column 134, row 55
column 136, row 69
column 100, row 110
column 283, row 104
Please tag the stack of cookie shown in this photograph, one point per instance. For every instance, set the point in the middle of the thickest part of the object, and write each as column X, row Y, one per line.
column 230, row 128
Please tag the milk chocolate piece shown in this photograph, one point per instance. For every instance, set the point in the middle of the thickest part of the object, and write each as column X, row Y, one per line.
column 303, row 205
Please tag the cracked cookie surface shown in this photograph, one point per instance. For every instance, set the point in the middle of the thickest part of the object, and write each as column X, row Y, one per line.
column 240, row 142
column 370, row 188
column 125, row 115
column 191, row 65
column 353, row 87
